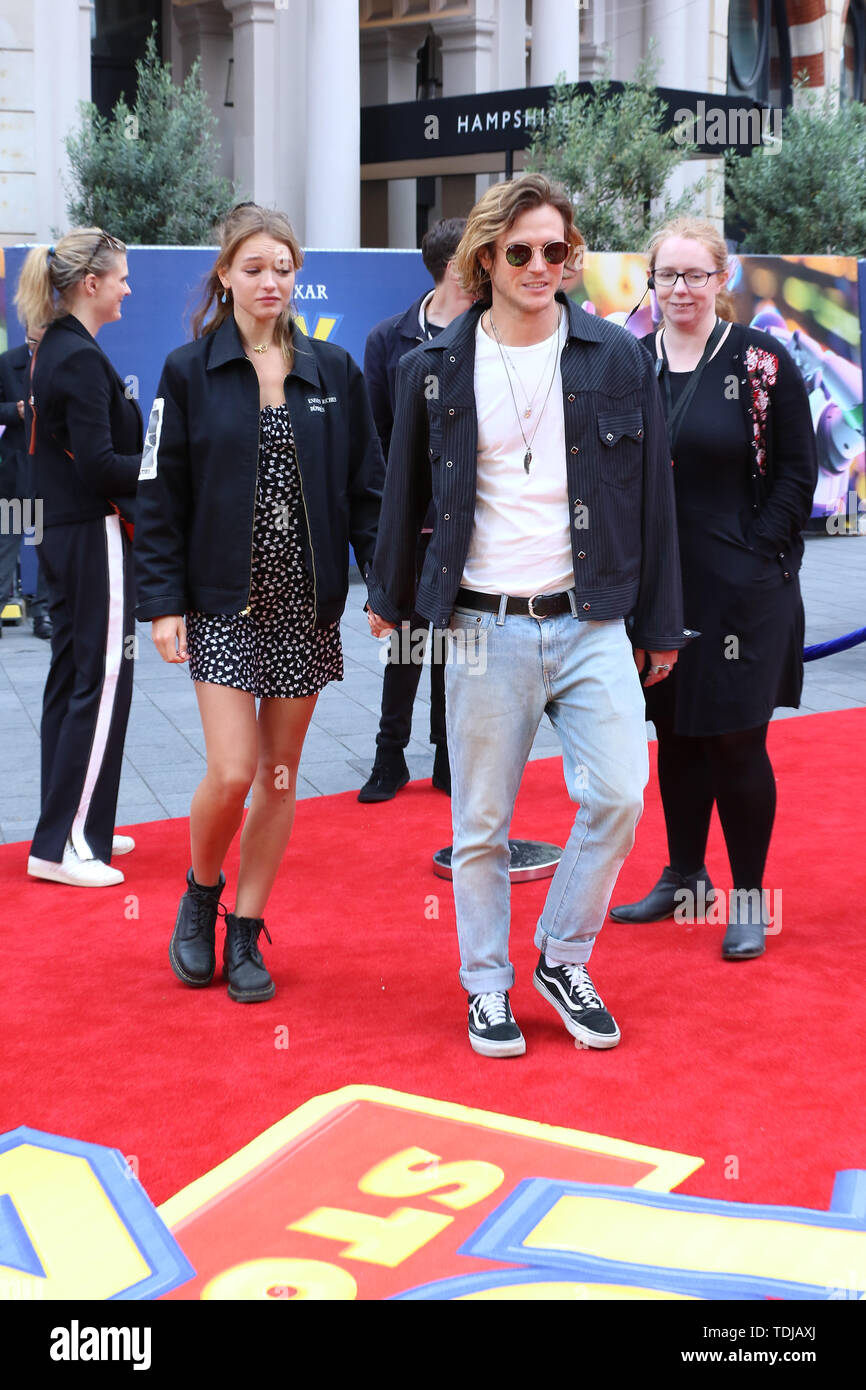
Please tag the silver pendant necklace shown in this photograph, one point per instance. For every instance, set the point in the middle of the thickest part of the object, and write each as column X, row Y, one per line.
column 530, row 402
column 527, row 457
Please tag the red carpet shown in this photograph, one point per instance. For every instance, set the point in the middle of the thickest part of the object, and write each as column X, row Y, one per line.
column 757, row 1067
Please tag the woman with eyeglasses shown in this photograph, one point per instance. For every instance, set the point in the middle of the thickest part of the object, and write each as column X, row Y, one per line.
column 745, row 470
column 85, row 441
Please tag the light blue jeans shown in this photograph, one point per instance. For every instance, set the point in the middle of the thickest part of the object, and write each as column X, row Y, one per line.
column 500, row 679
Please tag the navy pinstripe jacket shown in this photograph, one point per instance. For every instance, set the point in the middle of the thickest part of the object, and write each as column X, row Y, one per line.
column 617, row 461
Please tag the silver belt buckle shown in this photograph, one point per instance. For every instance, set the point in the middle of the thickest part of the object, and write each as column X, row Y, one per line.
column 532, row 612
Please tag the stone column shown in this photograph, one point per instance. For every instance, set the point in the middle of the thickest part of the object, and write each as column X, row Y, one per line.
column 59, row 77
column 292, row 97
column 468, row 56
column 389, row 73
column 511, row 45
column 469, row 65
column 689, row 65
column 555, row 42
column 205, row 32
column 682, row 60
column 254, row 93
column 334, row 128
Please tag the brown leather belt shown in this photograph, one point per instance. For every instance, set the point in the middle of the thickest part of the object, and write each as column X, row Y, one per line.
column 539, row 606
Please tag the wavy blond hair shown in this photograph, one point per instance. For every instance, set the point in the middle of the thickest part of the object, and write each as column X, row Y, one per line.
column 499, row 209
column 50, row 273
column 697, row 229
column 240, row 223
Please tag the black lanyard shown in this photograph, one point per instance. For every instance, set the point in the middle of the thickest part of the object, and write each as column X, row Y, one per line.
column 674, row 414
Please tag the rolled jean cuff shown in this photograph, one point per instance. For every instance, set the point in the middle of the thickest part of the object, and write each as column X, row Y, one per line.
column 490, row 981
column 576, row 952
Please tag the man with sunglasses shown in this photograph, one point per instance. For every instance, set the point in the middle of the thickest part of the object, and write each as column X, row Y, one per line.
column 538, row 431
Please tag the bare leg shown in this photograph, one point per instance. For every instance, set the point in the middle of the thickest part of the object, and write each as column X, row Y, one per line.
column 282, row 728
column 228, row 718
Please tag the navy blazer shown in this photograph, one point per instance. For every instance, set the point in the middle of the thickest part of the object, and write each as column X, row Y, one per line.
column 617, row 463
column 14, row 366
column 386, row 344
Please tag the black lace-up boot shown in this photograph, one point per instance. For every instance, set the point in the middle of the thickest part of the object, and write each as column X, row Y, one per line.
column 191, row 950
column 243, row 967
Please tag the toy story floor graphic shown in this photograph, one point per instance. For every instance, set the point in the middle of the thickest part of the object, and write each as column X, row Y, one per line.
column 373, row 1194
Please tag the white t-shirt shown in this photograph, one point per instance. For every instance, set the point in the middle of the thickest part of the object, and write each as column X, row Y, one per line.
column 521, row 540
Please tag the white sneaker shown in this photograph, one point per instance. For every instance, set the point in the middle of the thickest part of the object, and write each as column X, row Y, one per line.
column 122, row 844
column 79, row 873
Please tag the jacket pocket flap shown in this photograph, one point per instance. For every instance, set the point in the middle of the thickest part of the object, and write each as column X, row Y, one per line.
column 624, row 424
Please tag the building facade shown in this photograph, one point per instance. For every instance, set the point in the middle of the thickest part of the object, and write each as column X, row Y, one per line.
column 288, row 79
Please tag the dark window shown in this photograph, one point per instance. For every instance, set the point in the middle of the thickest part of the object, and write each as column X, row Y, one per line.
column 429, row 79
column 759, row 51
column 853, row 59
column 748, row 48
column 119, row 31
column 780, row 57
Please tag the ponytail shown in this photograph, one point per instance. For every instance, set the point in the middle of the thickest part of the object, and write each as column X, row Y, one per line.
column 34, row 297
column 49, row 273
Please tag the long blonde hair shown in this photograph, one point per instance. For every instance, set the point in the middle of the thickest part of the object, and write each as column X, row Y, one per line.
column 50, row 273
column 240, row 223
column 697, row 229
column 495, row 212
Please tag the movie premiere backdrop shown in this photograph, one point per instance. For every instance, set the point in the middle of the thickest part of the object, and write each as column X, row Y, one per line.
column 814, row 305
column 339, row 295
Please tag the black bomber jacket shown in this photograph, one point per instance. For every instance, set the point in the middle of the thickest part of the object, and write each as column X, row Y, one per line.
column 197, row 487
column 83, row 430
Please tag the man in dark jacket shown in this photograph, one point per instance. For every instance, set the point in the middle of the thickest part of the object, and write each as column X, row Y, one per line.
column 386, row 344
column 537, row 429
column 15, row 476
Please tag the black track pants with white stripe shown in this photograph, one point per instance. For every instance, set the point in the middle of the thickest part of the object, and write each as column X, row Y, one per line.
column 88, row 692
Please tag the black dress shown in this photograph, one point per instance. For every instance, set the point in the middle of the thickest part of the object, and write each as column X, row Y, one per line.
column 748, row 659
column 275, row 650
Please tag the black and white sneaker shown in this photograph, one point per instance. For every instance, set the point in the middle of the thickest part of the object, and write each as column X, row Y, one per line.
column 571, row 992
column 492, row 1030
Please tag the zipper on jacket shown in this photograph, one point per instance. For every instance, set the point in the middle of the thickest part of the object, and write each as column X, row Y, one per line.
column 306, row 515
column 245, row 611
